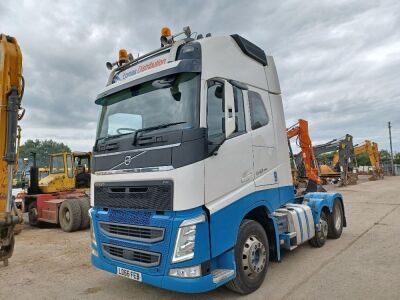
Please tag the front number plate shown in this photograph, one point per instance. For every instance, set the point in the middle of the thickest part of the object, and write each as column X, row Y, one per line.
column 129, row 274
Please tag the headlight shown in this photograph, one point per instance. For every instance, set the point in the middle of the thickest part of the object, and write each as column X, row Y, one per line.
column 186, row 239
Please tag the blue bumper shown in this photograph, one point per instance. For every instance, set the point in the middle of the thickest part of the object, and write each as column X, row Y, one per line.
column 183, row 285
column 158, row 275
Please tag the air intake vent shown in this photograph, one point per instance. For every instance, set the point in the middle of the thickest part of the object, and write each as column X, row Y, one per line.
column 132, row 256
column 155, row 195
column 133, row 232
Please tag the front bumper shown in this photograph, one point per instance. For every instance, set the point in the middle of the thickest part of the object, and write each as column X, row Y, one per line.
column 159, row 275
column 183, row 285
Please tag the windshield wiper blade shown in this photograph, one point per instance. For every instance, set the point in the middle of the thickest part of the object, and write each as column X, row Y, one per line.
column 154, row 128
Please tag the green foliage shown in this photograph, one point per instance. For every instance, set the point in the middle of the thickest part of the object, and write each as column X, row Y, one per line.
column 363, row 159
column 385, row 155
column 325, row 158
column 42, row 148
column 397, row 158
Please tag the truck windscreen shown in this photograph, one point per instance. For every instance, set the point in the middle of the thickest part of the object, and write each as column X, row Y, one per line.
column 172, row 99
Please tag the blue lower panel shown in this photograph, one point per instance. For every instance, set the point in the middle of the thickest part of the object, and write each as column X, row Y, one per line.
column 195, row 285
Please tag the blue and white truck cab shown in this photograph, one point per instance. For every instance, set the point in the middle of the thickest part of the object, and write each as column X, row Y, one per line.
column 191, row 186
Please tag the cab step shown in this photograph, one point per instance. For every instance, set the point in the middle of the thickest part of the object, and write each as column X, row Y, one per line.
column 221, row 274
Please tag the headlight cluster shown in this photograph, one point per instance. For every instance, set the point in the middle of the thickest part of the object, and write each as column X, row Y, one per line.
column 186, row 239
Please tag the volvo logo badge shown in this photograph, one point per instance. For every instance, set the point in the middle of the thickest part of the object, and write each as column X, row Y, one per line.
column 128, row 160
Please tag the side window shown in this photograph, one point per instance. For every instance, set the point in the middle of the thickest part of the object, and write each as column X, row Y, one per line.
column 69, row 165
column 239, row 110
column 258, row 114
column 215, row 112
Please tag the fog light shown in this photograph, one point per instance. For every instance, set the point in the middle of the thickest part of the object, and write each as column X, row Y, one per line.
column 189, row 272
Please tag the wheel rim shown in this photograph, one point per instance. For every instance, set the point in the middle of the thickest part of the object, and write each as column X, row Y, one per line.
column 254, row 257
column 338, row 217
column 67, row 216
column 33, row 214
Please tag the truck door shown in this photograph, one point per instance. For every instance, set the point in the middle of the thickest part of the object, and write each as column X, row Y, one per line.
column 229, row 172
column 263, row 139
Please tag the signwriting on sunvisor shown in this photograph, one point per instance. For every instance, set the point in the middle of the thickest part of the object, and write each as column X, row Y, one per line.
column 143, row 66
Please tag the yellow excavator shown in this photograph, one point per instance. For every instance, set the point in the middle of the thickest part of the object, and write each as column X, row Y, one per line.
column 371, row 148
column 11, row 92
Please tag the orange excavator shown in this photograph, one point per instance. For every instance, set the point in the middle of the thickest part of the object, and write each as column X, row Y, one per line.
column 304, row 164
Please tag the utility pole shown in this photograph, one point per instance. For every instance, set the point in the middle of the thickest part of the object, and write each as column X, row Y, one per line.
column 391, row 149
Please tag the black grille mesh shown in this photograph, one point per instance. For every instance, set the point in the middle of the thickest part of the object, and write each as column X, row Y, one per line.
column 155, row 195
column 133, row 232
column 134, row 256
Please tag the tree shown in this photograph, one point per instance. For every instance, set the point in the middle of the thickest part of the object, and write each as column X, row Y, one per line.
column 42, row 148
column 396, row 158
column 363, row 159
column 385, row 155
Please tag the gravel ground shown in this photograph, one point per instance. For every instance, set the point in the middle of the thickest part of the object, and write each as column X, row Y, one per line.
column 363, row 264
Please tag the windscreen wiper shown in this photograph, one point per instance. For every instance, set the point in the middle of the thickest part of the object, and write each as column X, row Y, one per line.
column 109, row 137
column 154, row 128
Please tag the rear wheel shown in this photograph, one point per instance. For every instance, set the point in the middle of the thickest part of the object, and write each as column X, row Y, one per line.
column 252, row 258
column 335, row 221
column 85, row 205
column 321, row 232
column 33, row 214
column 70, row 215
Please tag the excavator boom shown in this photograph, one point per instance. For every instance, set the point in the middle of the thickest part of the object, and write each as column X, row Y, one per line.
column 300, row 129
column 371, row 148
column 11, row 91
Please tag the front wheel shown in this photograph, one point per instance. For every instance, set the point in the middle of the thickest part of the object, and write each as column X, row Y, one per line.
column 252, row 258
column 33, row 214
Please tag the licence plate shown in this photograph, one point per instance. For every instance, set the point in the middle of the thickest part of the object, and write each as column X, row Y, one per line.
column 129, row 274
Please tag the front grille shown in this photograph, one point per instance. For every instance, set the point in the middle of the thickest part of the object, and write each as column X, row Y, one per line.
column 132, row 256
column 133, row 232
column 156, row 195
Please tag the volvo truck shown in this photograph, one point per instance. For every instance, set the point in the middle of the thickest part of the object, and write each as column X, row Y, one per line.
column 191, row 186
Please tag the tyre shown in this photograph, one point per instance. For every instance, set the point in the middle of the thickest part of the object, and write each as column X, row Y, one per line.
column 251, row 256
column 33, row 214
column 85, row 205
column 335, row 220
column 321, row 233
column 70, row 215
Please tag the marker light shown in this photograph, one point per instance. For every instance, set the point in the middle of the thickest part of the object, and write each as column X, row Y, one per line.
column 165, row 31
column 123, row 56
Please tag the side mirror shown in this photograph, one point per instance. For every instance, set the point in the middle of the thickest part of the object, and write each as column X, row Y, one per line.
column 229, row 108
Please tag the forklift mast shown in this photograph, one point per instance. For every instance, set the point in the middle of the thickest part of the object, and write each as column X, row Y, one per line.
column 11, row 92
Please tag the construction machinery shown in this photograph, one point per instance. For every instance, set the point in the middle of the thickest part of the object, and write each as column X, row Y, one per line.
column 62, row 196
column 11, row 92
column 371, row 148
column 342, row 167
column 304, row 164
